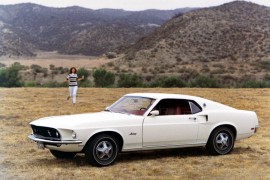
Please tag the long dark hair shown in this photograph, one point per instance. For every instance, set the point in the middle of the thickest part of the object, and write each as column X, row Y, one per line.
column 70, row 71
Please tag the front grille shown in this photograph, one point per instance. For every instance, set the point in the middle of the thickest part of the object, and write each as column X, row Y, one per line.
column 46, row 133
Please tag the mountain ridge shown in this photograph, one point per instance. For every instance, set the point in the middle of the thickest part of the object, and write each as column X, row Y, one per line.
column 55, row 29
column 169, row 29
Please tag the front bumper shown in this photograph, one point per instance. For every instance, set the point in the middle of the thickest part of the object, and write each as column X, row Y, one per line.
column 44, row 141
column 256, row 128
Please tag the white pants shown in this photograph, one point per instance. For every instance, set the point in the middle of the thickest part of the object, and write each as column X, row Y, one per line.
column 73, row 92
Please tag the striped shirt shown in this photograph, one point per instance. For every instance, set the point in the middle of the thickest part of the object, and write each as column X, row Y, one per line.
column 72, row 79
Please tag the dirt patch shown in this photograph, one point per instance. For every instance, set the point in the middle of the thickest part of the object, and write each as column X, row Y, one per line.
column 44, row 59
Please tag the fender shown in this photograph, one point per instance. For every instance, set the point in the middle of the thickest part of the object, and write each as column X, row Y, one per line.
column 222, row 124
column 104, row 130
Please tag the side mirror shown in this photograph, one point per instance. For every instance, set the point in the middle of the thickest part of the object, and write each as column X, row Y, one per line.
column 107, row 108
column 154, row 113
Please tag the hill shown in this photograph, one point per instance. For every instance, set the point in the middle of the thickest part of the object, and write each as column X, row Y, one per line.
column 230, row 42
column 27, row 27
column 11, row 43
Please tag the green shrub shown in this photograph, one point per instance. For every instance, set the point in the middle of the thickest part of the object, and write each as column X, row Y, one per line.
column 52, row 67
column 255, row 84
column 83, row 72
column 10, row 76
column 129, row 80
column 36, row 68
column 172, row 81
column 30, row 84
column 204, row 82
column 19, row 66
column 155, row 83
column 103, row 78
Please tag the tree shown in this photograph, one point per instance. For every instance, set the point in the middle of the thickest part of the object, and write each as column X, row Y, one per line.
column 37, row 69
column 10, row 76
column 103, row 78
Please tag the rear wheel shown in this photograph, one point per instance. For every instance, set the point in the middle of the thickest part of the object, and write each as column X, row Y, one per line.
column 63, row 155
column 221, row 141
column 102, row 150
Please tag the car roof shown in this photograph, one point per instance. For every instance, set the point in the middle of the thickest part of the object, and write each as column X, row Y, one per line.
column 164, row 96
column 207, row 104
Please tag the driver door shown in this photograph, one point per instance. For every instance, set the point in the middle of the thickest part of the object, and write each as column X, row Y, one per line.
column 175, row 126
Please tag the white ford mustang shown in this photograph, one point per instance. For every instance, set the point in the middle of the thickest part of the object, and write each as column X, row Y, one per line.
column 145, row 121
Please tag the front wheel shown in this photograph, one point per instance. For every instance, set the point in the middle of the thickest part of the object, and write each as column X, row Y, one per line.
column 221, row 141
column 63, row 155
column 102, row 150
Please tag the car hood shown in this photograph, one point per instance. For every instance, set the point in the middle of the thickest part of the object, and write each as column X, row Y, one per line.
column 98, row 119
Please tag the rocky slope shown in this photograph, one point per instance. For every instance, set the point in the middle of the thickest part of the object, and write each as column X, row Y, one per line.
column 11, row 43
column 231, row 40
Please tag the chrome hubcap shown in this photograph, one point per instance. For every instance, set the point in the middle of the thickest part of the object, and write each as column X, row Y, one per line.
column 104, row 150
column 222, row 141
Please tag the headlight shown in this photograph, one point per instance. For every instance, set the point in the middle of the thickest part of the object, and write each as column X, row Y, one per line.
column 73, row 135
column 57, row 134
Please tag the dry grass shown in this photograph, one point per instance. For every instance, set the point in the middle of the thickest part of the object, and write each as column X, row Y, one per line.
column 20, row 159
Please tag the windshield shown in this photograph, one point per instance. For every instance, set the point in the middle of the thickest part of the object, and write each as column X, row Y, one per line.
column 132, row 105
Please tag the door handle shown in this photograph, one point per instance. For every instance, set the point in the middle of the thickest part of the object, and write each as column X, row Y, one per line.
column 193, row 118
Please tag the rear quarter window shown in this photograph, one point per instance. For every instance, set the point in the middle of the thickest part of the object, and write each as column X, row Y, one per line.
column 195, row 108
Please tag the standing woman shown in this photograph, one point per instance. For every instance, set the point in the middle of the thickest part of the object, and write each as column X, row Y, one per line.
column 72, row 79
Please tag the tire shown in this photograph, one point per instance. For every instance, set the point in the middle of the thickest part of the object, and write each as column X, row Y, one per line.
column 102, row 150
column 63, row 155
column 221, row 141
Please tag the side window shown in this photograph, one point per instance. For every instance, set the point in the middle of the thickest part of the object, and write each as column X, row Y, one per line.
column 195, row 108
column 173, row 107
column 166, row 107
column 184, row 107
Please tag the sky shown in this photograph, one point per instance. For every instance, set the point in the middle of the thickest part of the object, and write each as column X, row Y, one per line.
column 130, row 4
